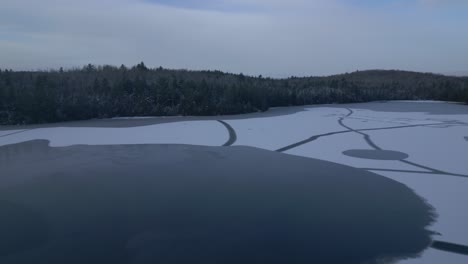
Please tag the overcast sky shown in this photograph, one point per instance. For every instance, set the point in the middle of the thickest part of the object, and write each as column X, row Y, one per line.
column 268, row 37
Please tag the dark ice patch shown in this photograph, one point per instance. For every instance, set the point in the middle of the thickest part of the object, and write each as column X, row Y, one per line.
column 21, row 229
column 191, row 204
column 376, row 154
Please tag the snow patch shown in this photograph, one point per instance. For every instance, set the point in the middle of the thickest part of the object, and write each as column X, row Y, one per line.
column 208, row 133
column 276, row 132
column 6, row 133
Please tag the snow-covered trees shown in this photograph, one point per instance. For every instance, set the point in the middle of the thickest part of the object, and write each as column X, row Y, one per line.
column 466, row 96
column 107, row 91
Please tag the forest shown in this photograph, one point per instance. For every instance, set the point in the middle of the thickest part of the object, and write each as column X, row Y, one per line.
column 28, row 97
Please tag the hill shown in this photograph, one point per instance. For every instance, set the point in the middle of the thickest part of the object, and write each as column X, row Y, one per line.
column 108, row 91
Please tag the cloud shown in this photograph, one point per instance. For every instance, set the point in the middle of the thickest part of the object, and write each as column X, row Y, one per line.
column 269, row 37
column 444, row 2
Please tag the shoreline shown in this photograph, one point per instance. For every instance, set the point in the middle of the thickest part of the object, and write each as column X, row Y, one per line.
column 137, row 121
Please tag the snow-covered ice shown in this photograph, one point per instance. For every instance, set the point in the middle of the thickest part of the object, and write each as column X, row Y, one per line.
column 209, row 133
column 448, row 195
column 331, row 148
column 439, row 148
column 433, row 134
column 276, row 132
column 6, row 133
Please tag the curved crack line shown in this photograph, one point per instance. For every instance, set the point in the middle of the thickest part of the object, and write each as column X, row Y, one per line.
column 232, row 134
column 367, row 138
column 450, row 247
column 17, row 132
column 417, row 172
column 423, row 167
column 369, row 141
column 313, row 138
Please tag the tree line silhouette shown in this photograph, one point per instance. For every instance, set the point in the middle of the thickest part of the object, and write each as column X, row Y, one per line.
column 107, row 91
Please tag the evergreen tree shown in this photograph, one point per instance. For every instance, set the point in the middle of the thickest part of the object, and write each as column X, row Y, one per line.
column 108, row 91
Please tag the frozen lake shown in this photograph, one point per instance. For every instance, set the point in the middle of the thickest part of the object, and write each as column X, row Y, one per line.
column 332, row 183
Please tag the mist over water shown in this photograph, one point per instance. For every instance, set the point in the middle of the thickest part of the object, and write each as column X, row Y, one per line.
column 191, row 204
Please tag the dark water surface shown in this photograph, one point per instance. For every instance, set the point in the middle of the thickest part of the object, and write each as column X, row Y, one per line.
column 190, row 204
column 376, row 154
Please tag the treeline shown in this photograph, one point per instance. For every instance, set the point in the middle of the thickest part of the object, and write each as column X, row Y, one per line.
column 108, row 91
